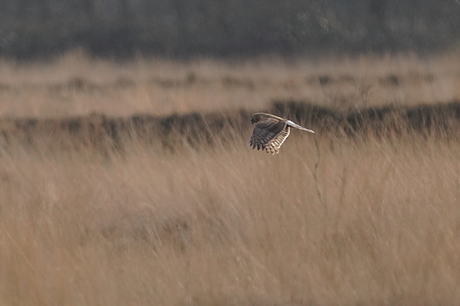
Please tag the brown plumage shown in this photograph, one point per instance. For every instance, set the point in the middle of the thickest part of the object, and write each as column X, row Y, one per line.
column 271, row 131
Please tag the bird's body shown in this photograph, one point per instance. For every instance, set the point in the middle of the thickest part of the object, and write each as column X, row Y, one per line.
column 271, row 131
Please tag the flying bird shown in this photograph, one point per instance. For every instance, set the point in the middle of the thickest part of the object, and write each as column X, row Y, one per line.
column 271, row 131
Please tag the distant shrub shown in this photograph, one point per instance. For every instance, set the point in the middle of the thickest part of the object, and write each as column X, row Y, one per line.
column 197, row 130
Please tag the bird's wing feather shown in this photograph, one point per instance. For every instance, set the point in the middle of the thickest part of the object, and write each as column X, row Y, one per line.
column 265, row 131
column 274, row 145
column 294, row 125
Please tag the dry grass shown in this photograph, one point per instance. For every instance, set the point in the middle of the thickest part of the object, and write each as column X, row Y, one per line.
column 231, row 226
column 78, row 85
column 225, row 225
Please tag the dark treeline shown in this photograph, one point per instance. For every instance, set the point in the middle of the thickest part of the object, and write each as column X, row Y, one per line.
column 182, row 28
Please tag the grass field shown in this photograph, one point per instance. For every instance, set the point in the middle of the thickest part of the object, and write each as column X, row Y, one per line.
column 347, row 222
column 76, row 85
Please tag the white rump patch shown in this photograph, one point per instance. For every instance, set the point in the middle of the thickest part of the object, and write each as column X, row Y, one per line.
column 290, row 123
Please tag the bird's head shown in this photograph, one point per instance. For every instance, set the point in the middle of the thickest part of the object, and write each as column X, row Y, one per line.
column 255, row 118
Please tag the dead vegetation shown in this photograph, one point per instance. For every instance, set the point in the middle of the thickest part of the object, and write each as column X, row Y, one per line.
column 105, row 134
column 231, row 226
column 77, row 85
column 178, row 210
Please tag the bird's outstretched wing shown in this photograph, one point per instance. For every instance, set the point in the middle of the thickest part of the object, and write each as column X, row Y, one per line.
column 266, row 131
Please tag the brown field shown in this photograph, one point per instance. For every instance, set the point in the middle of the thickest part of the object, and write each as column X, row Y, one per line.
column 164, row 220
column 76, row 85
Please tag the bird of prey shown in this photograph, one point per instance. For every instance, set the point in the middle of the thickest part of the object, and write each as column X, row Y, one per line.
column 271, row 131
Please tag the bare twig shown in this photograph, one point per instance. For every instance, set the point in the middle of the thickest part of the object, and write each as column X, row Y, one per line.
column 315, row 173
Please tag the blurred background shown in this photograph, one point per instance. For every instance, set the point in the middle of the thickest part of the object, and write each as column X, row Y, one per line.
column 31, row 29
column 122, row 57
